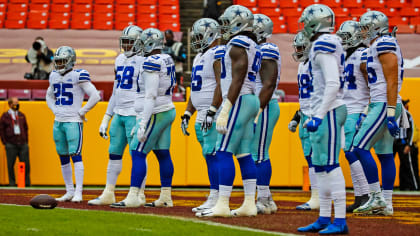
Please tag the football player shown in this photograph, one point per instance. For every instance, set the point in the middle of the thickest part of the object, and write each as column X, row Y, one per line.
column 385, row 75
column 266, row 82
column 153, row 129
column 328, row 113
column 356, row 97
column 206, row 97
column 65, row 97
column 121, row 108
column 301, row 45
column 240, row 66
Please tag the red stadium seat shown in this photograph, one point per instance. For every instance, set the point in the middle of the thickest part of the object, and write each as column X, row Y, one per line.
column 38, row 15
column 268, row 3
column 357, row 11
column 374, row 3
column 397, row 3
column 145, row 25
column 3, row 7
column 410, row 11
column 415, row 3
column 40, row 1
column 292, row 24
column 2, row 15
column 270, row 11
column 61, row 1
column 292, row 11
column 103, row 25
column 396, row 20
column 17, row 7
column 60, row 7
column 1, row 23
column 247, row 3
column 21, row 94
column 340, row 20
column 341, row 12
column 132, row 2
column 172, row 26
column 406, row 29
column 152, row 17
column 125, row 8
column 83, row 2
column 280, row 20
column 332, row 3
column 39, row 94
column 254, row 10
column 104, row 2
column 120, row 25
column 353, row 3
column 103, row 8
column 58, row 23
column 288, row 4
column 147, row 2
column 163, row 9
column 19, row 1
column 16, row 15
column 39, row 7
column 103, row 17
column 305, row 3
column 125, row 17
column 82, row 8
column 415, row 20
column 389, row 12
column 81, row 24
column 81, row 16
column 3, row 94
column 167, row 19
column 279, row 28
column 169, row 2
column 146, row 9
column 36, row 23
column 60, row 16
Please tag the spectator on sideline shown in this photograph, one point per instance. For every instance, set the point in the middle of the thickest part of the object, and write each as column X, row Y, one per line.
column 14, row 136
column 406, row 147
column 211, row 9
column 177, row 51
column 40, row 56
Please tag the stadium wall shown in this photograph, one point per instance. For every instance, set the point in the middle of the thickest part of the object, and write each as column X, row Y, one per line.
column 190, row 170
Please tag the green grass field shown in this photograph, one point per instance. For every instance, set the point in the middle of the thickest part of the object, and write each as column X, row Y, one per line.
column 24, row 220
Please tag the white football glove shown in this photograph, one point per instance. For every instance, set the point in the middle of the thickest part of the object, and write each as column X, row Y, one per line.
column 141, row 134
column 103, row 128
column 292, row 125
column 208, row 120
column 184, row 123
column 82, row 115
column 222, row 119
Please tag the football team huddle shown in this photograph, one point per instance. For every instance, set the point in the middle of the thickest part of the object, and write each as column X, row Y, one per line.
column 348, row 89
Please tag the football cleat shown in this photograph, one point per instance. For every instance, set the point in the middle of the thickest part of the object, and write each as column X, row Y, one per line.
column 358, row 201
column 77, row 198
column 165, row 199
column 387, row 211
column 65, row 198
column 221, row 209
column 272, row 205
column 132, row 200
column 314, row 227
column 335, row 229
column 262, row 206
column 376, row 202
column 312, row 204
column 106, row 198
column 248, row 208
column 208, row 204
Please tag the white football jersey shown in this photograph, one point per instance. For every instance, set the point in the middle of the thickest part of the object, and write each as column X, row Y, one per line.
column 127, row 71
column 254, row 63
column 331, row 44
column 68, row 94
column 305, row 87
column 377, row 82
column 356, row 91
column 165, row 67
column 269, row 52
column 203, row 80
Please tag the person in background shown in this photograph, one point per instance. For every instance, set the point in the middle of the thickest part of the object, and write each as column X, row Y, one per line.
column 177, row 51
column 40, row 56
column 211, row 9
column 14, row 136
column 406, row 149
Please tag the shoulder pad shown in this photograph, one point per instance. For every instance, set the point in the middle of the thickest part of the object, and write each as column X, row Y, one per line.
column 241, row 41
column 326, row 44
column 270, row 51
column 83, row 75
column 386, row 44
column 219, row 52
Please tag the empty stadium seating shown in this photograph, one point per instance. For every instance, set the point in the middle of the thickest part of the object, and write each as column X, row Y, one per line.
column 89, row 14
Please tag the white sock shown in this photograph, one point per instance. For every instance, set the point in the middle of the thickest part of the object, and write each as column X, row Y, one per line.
column 338, row 192
column 79, row 171
column 225, row 190
column 354, row 179
column 113, row 171
column 375, row 187
column 388, row 197
column 312, row 178
column 325, row 197
column 214, row 193
column 359, row 175
column 68, row 177
column 250, row 186
column 263, row 191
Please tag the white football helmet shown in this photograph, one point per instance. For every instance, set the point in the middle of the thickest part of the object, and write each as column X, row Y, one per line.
column 263, row 26
column 373, row 24
column 236, row 19
column 350, row 33
column 64, row 59
column 130, row 40
column 317, row 18
column 203, row 33
column 301, row 45
column 150, row 40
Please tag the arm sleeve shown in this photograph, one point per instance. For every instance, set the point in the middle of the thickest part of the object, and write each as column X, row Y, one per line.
column 151, row 82
column 329, row 67
column 93, row 94
column 50, row 98
column 111, row 103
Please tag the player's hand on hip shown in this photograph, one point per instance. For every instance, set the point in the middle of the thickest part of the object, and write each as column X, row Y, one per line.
column 393, row 128
column 82, row 115
column 360, row 121
column 313, row 123
column 185, row 120
column 208, row 120
column 141, row 134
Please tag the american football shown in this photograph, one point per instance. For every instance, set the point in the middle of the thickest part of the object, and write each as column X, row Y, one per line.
column 43, row 201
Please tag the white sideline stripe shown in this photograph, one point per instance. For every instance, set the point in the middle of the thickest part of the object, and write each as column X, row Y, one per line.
column 174, row 218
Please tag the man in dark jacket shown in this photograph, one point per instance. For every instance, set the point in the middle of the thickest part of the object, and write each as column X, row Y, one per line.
column 177, row 51
column 14, row 136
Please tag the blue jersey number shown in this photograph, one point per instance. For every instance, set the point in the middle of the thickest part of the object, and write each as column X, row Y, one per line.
column 256, row 65
column 305, row 86
column 171, row 72
column 372, row 78
column 124, row 77
column 349, row 77
column 196, row 80
column 63, row 97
